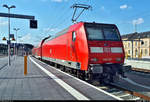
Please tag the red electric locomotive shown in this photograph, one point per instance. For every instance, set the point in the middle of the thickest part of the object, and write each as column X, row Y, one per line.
column 92, row 50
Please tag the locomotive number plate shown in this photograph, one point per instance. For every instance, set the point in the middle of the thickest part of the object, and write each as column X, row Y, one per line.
column 107, row 50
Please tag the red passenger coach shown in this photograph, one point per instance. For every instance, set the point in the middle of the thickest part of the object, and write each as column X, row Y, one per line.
column 92, row 50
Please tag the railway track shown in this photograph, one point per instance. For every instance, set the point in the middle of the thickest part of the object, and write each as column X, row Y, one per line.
column 122, row 92
column 119, row 93
column 126, row 94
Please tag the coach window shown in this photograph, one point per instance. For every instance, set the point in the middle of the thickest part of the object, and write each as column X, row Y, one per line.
column 73, row 36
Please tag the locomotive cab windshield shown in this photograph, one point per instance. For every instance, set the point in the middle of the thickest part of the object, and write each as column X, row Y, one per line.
column 102, row 32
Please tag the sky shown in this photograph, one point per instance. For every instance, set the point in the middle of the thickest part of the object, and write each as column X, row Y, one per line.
column 55, row 15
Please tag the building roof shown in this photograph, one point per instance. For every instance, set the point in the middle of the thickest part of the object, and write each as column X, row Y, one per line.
column 136, row 35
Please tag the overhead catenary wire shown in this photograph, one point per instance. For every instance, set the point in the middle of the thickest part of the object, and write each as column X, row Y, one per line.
column 67, row 13
column 60, row 16
column 57, row 17
column 63, row 18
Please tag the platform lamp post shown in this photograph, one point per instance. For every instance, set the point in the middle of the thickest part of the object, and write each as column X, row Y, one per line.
column 6, row 6
column 16, row 29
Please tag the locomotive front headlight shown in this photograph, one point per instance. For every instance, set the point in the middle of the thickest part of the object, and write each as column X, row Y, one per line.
column 116, row 50
column 96, row 49
column 94, row 59
column 118, row 59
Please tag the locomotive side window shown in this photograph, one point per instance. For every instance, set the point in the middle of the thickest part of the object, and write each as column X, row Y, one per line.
column 73, row 36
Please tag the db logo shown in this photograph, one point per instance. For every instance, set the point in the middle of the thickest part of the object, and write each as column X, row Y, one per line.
column 107, row 49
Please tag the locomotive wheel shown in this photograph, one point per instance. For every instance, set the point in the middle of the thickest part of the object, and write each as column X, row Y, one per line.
column 108, row 79
column 78, row 74
column 62, row 68
column 52, row 64
column 75, row 72
column 83, row 75
column 71, row 71
column 55, row 65
column 90, row 76
column 116, row 77
column 58, row 66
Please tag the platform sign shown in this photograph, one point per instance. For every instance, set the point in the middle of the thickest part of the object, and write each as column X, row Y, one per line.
column 33, row 24
column 16, row 16
column 11, row 35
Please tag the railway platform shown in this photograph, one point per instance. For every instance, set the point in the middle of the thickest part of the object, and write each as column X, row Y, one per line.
column 142, row 65
column 43, row 82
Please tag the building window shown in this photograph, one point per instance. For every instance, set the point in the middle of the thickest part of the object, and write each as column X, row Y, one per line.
column 136, row 53
column 135, row 43
column 128, row 51
column 146, row 51
column 125, row 46
column 141, row 51
column 128, row 44
column 145, row 43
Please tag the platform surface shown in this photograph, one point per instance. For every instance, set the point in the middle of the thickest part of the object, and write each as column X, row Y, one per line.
column 37, row 85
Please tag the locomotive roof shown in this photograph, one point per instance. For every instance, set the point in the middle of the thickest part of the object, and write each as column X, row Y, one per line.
column 67, row 29
column 99, row 23
column 59, row 34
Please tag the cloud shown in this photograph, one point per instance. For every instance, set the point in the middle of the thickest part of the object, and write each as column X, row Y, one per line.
column 102, row 8
column 43, row 0
column 46, row 30
column 29, row 39
column 122, row 7
column 3, row 23
column 56, row 0
column 138, row 21
column 26, row 39
column 59, row 0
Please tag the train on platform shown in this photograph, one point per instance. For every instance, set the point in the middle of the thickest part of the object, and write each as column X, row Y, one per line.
column 87, row 49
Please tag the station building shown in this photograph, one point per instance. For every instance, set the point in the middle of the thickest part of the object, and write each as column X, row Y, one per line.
column 21, row 48
column 139, row 43
column 3, row 49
